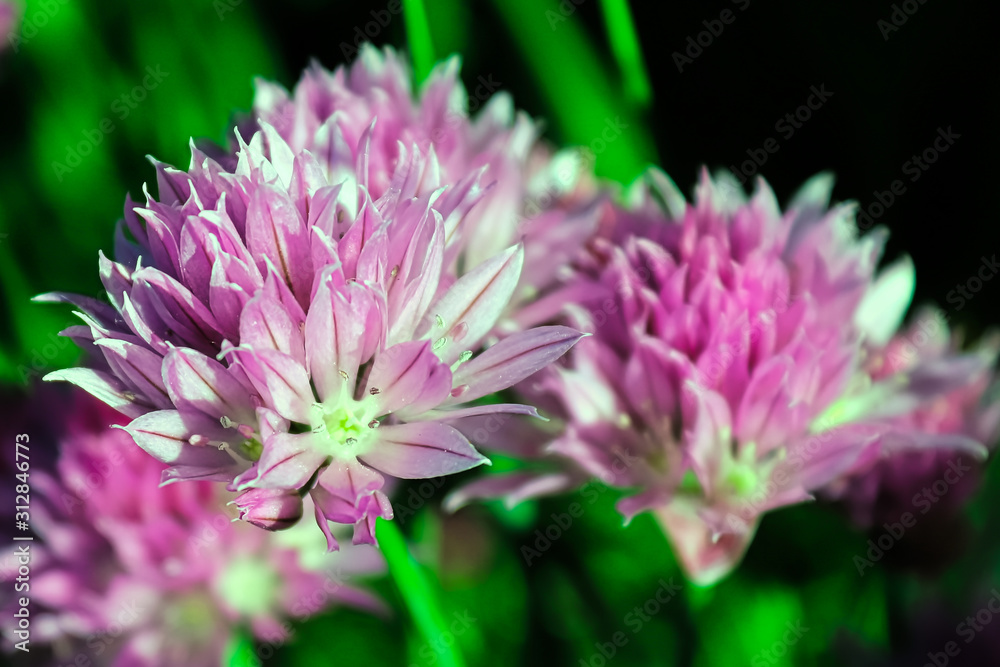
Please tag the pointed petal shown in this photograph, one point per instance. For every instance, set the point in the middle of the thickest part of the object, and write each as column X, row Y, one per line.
column 280, row 380
column 409, row 378
column 166, row 435
column 469, row 309
column 416, row 451
column 197, row 382
column 276, row 230
column 288, row 462
column 266, row 324
column 884, row 305
column 106, row 387
column 141, row 366
column 342, row 330
column 514, row 488
column 706, row 558
column 514, row 359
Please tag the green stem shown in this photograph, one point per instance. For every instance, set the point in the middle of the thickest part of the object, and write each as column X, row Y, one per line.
column 417, row 593
column 625, row 47
column 418, row 36
column 582, row 97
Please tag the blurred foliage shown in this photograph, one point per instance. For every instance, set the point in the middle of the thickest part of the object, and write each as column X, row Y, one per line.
column 90, row 88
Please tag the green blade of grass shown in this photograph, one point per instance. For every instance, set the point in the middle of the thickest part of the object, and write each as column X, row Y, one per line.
column 417, row 593
column 584, row 102
column 625, row 47
column 418, row 36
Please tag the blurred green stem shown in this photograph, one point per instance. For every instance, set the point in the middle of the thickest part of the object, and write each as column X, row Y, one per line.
column 625, row 47
column 418, row 36
column 583, row 99
column 417, row 593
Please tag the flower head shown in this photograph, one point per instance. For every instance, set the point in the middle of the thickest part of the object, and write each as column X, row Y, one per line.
column 301, row 317
column 131, row 573
column 725, row 335
column 937, row 463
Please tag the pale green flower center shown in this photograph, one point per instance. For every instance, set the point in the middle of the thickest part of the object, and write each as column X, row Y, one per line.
column 192, row 616
column 249, row 585
column 344, row 426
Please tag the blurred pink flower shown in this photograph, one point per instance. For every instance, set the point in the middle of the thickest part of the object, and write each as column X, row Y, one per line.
column 719, row 382
column 8, row 23
column 126, row 573
column 951, row 425
column 301, row 318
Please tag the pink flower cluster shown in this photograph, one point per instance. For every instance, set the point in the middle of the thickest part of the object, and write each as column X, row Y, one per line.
column 125, row 573
column 731, row 369
column 332, row 300
column 301, row 318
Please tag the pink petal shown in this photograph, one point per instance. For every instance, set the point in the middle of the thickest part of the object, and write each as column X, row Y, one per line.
column 513, row 359
column 421, row 450
column 266, row 323
column 141, row 366
column 166, row 435
column 706, row 557
column 288, row 462
column 197, row 382
column 106, row 387
column 707, row 438
column 409, row 378
column 469, row 309
column 281, row 380
column 275, row 229
column 342, row 330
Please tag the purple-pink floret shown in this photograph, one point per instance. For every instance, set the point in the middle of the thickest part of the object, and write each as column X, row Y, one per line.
column 301, row 317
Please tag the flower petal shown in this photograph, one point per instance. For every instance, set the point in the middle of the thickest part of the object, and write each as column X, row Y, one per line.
column 513, row 359
column 417, row 451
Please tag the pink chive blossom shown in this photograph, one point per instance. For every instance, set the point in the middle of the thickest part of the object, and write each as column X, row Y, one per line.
column 952, row 426
column 302, row 317
column 726, row 336
column 129, row 574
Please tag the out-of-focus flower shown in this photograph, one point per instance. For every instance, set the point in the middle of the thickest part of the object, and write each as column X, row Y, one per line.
column 126, row 573
column 951, row 426
column 8, row 22
column 300, row 317
column 719, row 382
